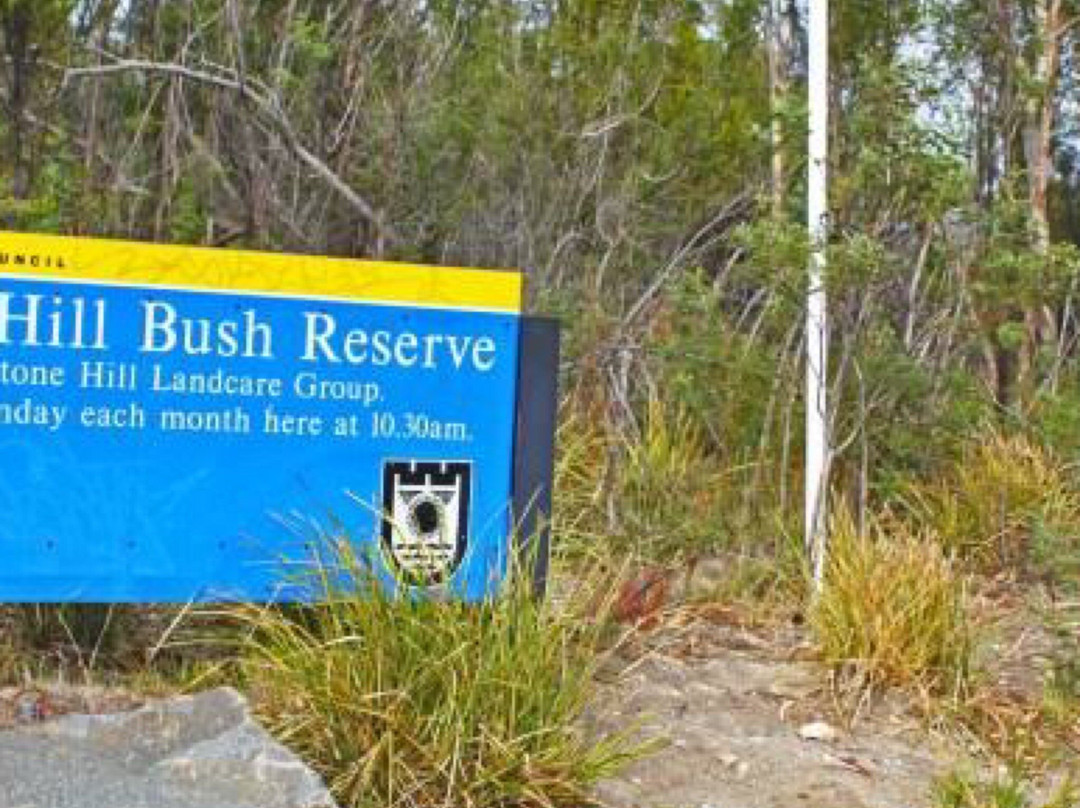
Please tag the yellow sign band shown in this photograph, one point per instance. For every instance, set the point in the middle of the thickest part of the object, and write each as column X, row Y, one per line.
column 132, row 263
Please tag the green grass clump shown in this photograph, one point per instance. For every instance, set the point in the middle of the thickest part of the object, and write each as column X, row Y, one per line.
column 670, row 490
column 959, row 789
column 656, row 492
column 893, row 607
column 413, row 702
column 1007, row 502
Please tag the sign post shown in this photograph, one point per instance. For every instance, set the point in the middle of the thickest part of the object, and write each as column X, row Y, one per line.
column 181, row 423
column 817, row 329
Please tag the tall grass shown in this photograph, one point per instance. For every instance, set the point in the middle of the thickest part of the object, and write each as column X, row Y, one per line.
column 670, row 490
column 654, row 491
column 1006, row 501
column 894, row 607
column 403, row 701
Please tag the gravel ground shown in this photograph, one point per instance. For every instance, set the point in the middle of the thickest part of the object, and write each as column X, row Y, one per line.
column 747, row 724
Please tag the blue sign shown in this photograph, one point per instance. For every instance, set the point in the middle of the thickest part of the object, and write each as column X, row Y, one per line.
column 182, row 424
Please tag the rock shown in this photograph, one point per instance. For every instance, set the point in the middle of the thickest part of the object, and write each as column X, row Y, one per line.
column 642, row 597
column 202, row 751
column 795, row 681
column 708, row 577
column 818, row 731
column 732, row 746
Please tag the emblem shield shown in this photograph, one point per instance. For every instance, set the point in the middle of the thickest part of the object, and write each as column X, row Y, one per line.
column 425, row 523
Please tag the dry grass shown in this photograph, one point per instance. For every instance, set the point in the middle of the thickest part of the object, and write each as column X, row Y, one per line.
column 1006, row 495
column 893, row 608
column 404, row 702
column 653, row 492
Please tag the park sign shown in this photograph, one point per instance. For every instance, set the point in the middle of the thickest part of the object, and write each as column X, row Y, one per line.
column 183, row 423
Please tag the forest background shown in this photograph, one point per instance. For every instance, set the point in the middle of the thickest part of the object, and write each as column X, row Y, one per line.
column 644, row 162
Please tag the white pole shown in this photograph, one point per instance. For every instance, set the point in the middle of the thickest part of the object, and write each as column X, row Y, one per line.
column 817, row 442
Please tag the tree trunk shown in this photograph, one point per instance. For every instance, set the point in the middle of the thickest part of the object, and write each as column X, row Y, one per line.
column 779, row 42
column 1038, row 129
column 16, row 19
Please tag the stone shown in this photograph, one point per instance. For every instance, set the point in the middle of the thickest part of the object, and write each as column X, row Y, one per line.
column 201, row 751
column 818, row 731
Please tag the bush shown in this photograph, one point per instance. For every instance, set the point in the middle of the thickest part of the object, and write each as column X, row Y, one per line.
column 893, row 607
column 69, row 638
column 655, row 492
column 410, row 702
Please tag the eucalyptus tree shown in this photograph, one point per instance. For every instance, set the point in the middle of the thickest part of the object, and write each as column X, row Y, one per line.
column 33, row 36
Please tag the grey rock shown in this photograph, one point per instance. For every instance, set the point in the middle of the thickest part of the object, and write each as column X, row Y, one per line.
column 202, row 751
column 819, row 731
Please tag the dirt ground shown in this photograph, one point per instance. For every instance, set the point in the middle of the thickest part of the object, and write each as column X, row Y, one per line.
column 747, row 719
column 741, row 716
column 747, row 722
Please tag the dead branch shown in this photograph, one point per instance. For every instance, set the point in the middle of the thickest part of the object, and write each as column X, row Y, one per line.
column 261, row 101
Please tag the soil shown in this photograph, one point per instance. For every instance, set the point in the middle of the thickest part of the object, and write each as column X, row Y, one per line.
column 45, row 700
column 747, row 721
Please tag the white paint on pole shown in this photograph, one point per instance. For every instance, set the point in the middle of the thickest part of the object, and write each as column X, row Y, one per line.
column 817, row 440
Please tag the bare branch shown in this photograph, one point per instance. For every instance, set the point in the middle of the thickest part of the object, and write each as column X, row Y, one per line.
column 265, row 105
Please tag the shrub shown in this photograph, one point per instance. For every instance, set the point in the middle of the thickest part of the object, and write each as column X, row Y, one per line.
column 893, row 607
column 655, row 492
column 410, row 702
column 72, row 637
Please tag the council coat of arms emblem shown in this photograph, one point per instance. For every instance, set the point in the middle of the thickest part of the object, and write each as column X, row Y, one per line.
column 425, row 523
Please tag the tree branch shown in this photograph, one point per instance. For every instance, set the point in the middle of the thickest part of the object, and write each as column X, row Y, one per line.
column 264, row 104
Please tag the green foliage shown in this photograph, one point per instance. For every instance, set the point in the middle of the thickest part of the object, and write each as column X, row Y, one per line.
column 962, row 789
column 957, row 790
column 894, row 166
column 1054, row 418
column 1061, row 698
column 671, row 493
column 1007, row 502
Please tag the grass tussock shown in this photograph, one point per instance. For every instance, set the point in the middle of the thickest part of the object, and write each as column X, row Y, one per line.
column 653, row 490
column 670, row 489
column 1007, row 501
column 409, row 702
column 893, row 608
column 960, row 789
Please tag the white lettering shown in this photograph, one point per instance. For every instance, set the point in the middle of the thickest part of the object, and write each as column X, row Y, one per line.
column 317, row 338
column 29, row 320
column 159, row 319
column 486, row 347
